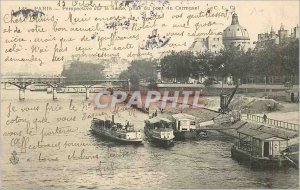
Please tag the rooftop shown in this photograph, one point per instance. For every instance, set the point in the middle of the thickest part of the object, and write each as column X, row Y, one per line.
column 264, row 132
column 235, row 31
column 183, row 116
column 158, row 119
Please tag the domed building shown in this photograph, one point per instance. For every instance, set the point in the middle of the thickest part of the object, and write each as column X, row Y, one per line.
column 236, row 35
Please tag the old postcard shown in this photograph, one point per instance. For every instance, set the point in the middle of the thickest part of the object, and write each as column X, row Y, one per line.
column 149, row 94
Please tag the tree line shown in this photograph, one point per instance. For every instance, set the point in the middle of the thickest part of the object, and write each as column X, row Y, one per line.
column 273, row 60
column 83, row 71
column 140, row 70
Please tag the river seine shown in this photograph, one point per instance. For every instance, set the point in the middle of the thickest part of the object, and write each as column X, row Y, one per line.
column 56, row 150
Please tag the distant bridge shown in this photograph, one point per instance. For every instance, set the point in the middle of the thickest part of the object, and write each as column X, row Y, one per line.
column 91, row 83
column 22, row 82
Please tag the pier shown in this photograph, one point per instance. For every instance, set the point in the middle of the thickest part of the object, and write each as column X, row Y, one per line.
column 273, row 122
column 230, row 128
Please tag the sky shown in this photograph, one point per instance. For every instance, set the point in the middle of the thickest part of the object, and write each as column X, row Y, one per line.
column 260, row 16
column 256, row 16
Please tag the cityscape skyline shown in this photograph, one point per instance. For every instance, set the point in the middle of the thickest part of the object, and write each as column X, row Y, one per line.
column 257, row 17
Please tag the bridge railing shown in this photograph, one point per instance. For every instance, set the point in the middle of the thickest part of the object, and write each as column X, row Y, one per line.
column 32, row 79
column 273, row 122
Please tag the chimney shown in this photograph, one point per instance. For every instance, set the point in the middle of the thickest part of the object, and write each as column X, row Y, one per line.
column 113, row 118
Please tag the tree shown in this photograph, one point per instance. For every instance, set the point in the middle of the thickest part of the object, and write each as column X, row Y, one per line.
column 178, row 65
column 241, row 65
column 80, row 71
column 204, row 64
column 290, row 58
column 139, row 70
column 266, row 61
column 277, row 60
column 228, row 62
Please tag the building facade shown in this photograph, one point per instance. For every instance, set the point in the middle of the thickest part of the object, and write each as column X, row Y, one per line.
column 234, row 35
column 212, row 44
column 280, row 38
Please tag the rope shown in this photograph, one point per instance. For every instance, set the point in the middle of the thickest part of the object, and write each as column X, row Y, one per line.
column 291, row 161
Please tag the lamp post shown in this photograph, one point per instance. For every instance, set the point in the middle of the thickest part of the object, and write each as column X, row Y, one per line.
column 265, row 83
column 222, row 66
column 222, row 97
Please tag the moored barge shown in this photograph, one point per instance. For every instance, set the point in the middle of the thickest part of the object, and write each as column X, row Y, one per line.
column 262, row 146
column 184, row 126
column 159, row 131
column 115, row 131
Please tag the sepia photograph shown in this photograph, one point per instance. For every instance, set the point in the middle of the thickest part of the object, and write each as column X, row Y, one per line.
column 149, row 94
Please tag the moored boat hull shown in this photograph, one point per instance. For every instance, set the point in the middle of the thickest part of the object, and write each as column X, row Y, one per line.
column 259, row 162
column 159, row 141
column 182, row 135
column 116, row 139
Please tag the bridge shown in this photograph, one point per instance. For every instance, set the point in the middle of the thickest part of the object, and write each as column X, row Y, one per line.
column 273, row 122
column 22, row 82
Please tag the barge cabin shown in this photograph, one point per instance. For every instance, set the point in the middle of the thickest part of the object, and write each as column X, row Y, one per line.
column 159, row 131
column 185, row 126
column 262, row 146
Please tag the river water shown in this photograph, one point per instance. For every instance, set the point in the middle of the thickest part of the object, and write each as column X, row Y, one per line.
column 78, row 159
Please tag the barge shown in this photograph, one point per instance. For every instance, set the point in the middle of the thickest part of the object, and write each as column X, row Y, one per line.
column 116, row 132
column 262, row 146
column 159, row 131
column 184, row 126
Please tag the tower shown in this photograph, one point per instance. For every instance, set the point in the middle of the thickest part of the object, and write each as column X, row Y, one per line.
column 236, row 35
column 272, row 33
column 296, row 32
column 282, row 34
